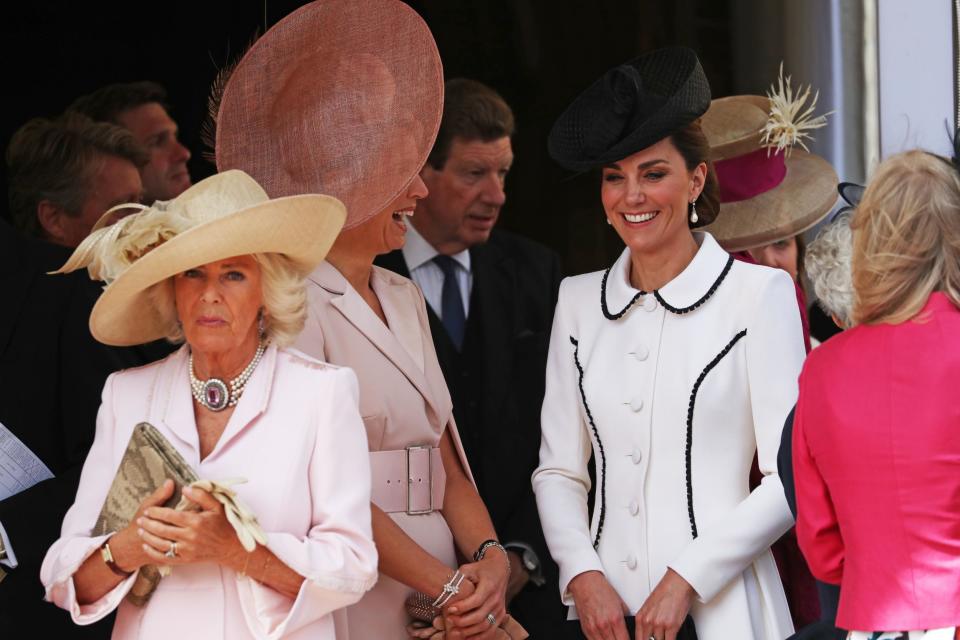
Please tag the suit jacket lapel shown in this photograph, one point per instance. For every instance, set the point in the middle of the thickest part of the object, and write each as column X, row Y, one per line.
column 397, row 302
column 494, row 280
column 172, row 403
column 394, row 296
column 252, row 403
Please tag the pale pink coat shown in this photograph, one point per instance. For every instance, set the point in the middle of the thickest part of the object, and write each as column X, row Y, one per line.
column 296, row 436
column 403, row 400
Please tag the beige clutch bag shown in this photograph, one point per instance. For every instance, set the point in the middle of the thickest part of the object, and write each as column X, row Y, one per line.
column 148, row 461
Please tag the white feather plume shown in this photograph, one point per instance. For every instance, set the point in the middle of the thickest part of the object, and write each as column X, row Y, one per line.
column 790, row 123
column 109, row 251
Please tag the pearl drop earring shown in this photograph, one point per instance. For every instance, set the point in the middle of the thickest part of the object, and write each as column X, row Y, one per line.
column 694, row 218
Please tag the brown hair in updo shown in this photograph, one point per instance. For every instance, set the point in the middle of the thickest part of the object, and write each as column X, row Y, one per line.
column 693, row 146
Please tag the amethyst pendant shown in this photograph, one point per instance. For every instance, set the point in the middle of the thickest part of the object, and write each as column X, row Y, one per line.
column 215, row 394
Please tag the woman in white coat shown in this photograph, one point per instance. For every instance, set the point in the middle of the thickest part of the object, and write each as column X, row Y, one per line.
column 671, row 368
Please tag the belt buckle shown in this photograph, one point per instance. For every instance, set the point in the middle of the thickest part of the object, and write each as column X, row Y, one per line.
column 430, row 509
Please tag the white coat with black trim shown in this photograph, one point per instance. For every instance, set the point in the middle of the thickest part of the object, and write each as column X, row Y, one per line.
column 672, row 393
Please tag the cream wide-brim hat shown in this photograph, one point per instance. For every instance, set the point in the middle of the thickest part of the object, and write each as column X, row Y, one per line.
column 807, row 194
column 225, row 215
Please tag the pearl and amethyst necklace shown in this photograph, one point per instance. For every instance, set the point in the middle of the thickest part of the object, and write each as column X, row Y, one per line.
column 217, row 395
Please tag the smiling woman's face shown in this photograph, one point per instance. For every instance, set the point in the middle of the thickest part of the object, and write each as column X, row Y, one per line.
column 217, row 304
column 646, row 195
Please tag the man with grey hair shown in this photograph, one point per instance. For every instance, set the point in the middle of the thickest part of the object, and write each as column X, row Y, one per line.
column 65, row 173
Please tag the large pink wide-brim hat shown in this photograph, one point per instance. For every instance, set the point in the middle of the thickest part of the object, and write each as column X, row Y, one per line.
column 341, row 97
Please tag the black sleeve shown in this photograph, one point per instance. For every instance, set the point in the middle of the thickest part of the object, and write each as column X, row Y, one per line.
column 785, row 463
column 33, row 518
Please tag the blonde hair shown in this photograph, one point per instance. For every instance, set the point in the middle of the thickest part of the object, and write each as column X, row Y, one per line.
column 284, row 290
column 906, row 238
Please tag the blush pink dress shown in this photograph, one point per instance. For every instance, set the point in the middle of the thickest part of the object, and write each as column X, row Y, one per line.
column 403, row 401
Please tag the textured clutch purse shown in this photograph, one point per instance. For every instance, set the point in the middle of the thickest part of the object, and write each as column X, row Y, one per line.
column 148, row 461
column 427, row 622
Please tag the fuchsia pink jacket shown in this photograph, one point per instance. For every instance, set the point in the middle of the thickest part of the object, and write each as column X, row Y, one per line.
column 876, row 455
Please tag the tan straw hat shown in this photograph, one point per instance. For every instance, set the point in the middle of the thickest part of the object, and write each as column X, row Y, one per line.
column 226, row 215
column 770, row 189
column 342, row 97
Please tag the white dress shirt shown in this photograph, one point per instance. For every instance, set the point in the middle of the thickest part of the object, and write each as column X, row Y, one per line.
column 419, row 255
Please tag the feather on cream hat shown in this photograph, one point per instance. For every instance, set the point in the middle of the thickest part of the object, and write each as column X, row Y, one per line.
column 226, row 215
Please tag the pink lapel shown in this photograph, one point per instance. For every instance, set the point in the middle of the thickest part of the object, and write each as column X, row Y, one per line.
column 173, row 403
column 397, row 342
column 252, row 403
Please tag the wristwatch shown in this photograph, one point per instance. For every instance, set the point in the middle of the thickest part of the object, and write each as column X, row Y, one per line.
column 531, row 562
column 108, row 560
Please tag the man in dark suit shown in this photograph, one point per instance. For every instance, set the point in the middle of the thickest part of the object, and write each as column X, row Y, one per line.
column 52, row 371
column 490, row 299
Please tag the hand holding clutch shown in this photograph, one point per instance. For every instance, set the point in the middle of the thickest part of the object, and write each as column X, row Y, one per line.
column 147, row 463
column 199, row 531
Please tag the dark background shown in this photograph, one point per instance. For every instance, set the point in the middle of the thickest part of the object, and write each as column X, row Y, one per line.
column 538, row 54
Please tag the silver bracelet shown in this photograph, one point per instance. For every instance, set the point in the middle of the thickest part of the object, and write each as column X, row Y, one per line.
column 482, row 551
column 450, row 589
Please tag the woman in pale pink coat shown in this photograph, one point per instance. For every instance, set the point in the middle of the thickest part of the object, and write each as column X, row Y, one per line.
column 235, row 403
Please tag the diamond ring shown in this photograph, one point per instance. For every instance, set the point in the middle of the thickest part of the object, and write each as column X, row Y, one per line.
column 491, row 619
column 172, row 551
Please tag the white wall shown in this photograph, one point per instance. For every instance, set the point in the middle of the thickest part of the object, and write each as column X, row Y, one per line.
column 915, row 75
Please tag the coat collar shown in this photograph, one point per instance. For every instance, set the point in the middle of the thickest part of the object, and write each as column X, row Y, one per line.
column 691, row 288
column 402, row 341
column 172, row 402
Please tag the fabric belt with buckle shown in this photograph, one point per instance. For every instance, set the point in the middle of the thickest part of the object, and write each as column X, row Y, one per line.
column 410, row 480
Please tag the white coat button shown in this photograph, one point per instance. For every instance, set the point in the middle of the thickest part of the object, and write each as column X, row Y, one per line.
column 649, row 303
column 631, row 562
column 636, row 404
column 636, row 456
column 634, row 508
column 641, row 352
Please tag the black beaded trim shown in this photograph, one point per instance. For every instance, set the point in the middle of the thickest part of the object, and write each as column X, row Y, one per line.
column 693, row 399
column 596, row 434
column 603, row 299
column 656, row 294
column 706, row 296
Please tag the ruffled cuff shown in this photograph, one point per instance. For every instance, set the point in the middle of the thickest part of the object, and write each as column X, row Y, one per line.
column 62, row 561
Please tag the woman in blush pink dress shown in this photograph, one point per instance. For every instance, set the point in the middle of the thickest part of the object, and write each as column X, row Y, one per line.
column 365, row 123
